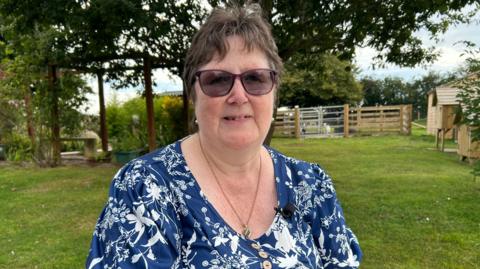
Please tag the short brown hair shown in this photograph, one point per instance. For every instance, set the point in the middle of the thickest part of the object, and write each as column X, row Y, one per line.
column 246, row 22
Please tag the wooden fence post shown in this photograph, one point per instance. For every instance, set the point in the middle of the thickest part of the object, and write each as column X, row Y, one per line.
column 346, row 122
column 297, row 122
column 401, row 119
column 410, row 118
column 382, row 119
column 359, row 119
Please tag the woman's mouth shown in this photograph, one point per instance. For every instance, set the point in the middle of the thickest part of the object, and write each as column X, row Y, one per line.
column 237, row 118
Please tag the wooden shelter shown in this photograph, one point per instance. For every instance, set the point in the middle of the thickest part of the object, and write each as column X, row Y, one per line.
column 442, row 105
column 466, row 148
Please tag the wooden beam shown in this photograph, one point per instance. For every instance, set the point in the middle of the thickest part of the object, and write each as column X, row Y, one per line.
column 55, row 114
column 410, row 118
column 297, row 122
column 401, row 119
column 147, row 73
column 346, row 122
column 103, row 120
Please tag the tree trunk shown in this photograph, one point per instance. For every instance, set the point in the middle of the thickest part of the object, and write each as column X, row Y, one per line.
column 28, row 108
column 268, row 139
column 55, row 116
column 103, row 120
column 187, row 118
column 147, row 73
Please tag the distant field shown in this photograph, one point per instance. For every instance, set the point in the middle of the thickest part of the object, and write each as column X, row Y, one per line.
column 410, row 206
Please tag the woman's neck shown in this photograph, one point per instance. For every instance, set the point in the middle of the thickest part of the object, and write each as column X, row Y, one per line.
column 230, row 162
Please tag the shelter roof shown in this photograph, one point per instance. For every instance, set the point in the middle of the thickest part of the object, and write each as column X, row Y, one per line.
column 447, row 95
column 172, row 93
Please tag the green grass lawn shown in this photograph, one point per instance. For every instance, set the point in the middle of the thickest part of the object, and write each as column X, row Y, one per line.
column 48, row 215
column 410, row 206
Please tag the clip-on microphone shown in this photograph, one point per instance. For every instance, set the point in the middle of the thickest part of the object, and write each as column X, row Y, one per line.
column 287, row 211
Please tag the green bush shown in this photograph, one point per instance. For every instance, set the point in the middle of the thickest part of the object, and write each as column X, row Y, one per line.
column 127, row 122
column 128, row 142
column 18, row 148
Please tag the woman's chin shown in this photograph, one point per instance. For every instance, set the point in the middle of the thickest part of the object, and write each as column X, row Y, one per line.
column 242, row 140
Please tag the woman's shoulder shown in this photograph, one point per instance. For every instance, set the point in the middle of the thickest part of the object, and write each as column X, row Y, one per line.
column 297, row 168
column 160, row 166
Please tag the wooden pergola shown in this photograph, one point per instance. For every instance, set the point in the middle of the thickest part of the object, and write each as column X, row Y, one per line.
column 149, row 63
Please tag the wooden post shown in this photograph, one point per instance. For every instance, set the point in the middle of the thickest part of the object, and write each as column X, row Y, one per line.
column 320, row 120
column 55, row 114
column 410, row 118
column 443, row 140
column 103, row 119
column 382, row 120
column 401, row 119
column 359, row 119
column 297, row 122
column 147, row 73
column 29, row 116
column 346, row 121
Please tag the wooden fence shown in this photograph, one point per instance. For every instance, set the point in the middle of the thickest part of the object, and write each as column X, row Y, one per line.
column 337, row 121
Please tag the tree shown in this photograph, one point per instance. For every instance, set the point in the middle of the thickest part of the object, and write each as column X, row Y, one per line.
column 339, row 26
column 94, row 38
column 470, row 96
column 394, row 91
column 372, row 91
column 25, row 85
column 312, row 80
column 425, row 84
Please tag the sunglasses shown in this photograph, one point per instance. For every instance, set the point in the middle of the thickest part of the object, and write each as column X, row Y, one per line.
column 216, row 83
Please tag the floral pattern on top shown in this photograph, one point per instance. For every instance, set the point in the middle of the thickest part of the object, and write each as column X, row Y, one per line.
column 158, row 217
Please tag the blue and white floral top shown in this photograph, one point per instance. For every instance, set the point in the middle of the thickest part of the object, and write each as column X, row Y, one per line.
column 158, row 217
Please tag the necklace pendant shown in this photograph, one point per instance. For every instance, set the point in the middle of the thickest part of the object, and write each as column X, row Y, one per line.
column 246, row 232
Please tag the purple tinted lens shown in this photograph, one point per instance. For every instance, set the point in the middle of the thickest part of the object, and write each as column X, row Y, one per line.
column 258, row 82
column 215, row 83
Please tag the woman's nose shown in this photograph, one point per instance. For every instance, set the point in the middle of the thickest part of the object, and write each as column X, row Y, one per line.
column 237, row 95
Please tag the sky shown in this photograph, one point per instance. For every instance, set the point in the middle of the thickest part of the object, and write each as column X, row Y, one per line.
column 450, row 59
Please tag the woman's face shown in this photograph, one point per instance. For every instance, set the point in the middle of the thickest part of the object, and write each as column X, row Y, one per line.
column 238, row 119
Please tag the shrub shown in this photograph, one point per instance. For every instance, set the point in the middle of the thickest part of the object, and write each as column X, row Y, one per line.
column 128, row 121
column 18, row 148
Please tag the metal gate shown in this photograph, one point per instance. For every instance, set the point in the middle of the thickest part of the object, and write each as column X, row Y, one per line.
column 321, row 121
column 337, row 121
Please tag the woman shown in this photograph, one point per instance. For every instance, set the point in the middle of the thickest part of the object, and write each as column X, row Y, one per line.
column 218, row 198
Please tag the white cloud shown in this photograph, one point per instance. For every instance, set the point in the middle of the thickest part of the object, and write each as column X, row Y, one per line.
column 449, row 46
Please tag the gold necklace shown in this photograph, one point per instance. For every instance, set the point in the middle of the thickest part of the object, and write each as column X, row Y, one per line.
column 246, row 232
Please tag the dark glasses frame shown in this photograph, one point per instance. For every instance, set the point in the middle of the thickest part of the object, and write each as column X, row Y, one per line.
column 272, row 73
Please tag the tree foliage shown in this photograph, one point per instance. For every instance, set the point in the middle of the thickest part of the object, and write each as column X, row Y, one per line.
column 93, row 35
column 26, row 86
column 338, row 27
column 110, row 34
column 395, row 91
column 120, row 33
column 313, row 80
column 470, row 96
column 313, row 29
